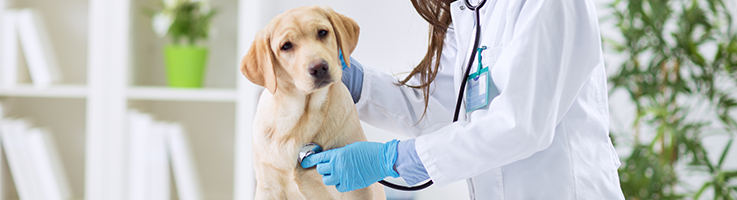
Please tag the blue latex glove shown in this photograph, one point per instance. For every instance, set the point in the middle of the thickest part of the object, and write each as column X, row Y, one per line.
column 352, row 77
column 356, row 165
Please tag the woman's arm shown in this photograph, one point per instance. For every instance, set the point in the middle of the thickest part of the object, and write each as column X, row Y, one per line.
column 398, row 108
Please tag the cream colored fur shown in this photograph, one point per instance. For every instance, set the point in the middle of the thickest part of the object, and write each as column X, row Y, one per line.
column 296, row 108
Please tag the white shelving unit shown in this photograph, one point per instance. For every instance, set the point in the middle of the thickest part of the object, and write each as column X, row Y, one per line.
column 112, row 62
column 56, row 91
column 60, row 108
column 176, row 94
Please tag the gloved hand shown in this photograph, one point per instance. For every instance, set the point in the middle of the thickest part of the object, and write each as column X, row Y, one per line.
column 352, row 77
column 356, row 165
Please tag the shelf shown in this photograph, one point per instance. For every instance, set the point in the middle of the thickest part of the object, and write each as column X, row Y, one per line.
column 54, row 91
column 181, row 94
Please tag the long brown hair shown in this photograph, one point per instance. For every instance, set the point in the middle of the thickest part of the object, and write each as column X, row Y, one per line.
column 437, row 14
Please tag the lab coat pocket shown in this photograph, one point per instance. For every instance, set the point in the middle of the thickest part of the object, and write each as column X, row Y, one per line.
column 490, row 56
column 483, row 82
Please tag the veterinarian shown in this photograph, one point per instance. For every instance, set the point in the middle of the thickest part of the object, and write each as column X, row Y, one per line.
column 534, row 116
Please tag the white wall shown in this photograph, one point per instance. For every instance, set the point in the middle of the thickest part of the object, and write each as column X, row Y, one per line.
column 393, row 37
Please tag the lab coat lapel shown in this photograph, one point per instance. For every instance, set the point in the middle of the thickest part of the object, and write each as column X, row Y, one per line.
column 463, row 25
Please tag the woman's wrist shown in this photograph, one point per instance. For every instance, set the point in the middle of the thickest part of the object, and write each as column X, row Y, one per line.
column 408, row 164
column 353, row 79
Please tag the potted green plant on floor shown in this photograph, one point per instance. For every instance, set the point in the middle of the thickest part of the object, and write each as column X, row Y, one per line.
column 680, row 72
column 186, row 22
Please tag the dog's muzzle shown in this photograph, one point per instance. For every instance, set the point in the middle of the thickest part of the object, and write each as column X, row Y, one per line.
column 320, row 72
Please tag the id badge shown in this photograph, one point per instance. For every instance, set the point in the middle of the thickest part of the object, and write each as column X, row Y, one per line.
column 480, row 89
column 477, row 91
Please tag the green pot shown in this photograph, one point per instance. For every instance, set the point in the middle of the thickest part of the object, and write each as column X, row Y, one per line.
column 185, row 65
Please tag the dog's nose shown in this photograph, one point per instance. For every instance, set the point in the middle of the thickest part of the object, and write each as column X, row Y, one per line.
column 319, row 69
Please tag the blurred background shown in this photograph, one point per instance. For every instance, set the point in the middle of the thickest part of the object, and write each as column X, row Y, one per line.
column 672, row 68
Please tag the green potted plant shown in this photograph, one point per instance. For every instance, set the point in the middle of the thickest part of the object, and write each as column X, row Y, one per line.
column 681, row 74
column 186, row 22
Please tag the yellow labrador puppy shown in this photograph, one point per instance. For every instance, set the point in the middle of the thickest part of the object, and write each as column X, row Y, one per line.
column 296, row 59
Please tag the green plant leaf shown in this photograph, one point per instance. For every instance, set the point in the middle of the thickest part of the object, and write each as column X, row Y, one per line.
column 724, row 153
column 664, row 66
column 702, row 189
column 190, row 23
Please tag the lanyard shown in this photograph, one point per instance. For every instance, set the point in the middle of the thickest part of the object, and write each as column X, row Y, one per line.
column 477, row 11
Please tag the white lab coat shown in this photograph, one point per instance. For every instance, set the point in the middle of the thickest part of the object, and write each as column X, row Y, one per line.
column 544, row 137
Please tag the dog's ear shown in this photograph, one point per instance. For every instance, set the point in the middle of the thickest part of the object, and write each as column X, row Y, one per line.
column 346, row 32
column 258, row 64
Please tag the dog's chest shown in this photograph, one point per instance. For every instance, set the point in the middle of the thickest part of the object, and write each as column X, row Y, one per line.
column 282, row 135
column 330, row 121
column 283, row 147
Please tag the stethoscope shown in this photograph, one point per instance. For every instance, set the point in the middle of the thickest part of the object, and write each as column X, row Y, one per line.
column 477, row 12
column 312, row 148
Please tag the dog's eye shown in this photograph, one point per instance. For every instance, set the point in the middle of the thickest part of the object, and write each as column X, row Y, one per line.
column 286, row 46
column 322, row 33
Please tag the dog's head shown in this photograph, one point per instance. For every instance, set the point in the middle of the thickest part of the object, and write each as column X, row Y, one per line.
column 299, row 49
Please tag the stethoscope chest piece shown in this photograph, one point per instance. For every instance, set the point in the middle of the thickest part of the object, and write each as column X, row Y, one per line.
column 307, row 150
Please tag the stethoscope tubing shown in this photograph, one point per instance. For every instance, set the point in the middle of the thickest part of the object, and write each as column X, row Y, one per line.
column 477, row 12
column 476, row 9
